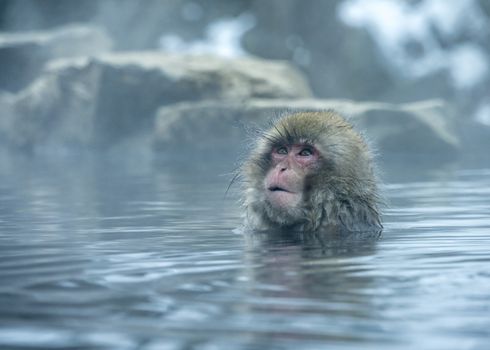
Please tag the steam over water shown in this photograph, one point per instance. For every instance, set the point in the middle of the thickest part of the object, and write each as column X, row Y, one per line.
column 100, row 255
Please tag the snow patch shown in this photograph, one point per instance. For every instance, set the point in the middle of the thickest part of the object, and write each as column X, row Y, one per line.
column 410, row 36
column 222, row 38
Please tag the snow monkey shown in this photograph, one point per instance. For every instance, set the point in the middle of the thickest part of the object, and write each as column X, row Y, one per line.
column 311, row 171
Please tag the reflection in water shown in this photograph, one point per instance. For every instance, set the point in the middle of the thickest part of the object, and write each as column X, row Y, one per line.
column 102, row 255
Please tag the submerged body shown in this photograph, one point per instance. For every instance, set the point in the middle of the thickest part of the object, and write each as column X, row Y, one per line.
column 311, row 172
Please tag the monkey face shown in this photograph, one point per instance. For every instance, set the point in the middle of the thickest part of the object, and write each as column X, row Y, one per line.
column 284, row 183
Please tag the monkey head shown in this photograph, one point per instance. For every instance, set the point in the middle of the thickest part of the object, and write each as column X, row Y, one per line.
column 311, row 171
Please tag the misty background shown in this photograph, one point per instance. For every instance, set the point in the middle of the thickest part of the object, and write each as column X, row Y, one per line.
column 144, row 75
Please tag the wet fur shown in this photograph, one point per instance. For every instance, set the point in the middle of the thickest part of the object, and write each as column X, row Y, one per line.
column 341, row 195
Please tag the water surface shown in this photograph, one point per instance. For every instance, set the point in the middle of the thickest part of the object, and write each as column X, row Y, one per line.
column 100, row 255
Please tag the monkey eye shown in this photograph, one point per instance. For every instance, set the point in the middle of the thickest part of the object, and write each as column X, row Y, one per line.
column 305, row 152
column 282, row 150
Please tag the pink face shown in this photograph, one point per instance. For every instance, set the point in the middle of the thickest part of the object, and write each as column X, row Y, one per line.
column 284, row 183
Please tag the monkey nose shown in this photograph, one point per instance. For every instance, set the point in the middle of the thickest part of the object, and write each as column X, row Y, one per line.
column 283, row 166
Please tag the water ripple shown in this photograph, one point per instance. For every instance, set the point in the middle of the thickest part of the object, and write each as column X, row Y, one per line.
column 119, row 261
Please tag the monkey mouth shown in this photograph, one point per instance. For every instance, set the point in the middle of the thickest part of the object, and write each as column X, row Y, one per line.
column 282, row 198
column 278, row 189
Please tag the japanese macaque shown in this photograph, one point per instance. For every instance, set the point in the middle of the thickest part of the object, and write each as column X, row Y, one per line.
column 311, row 172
